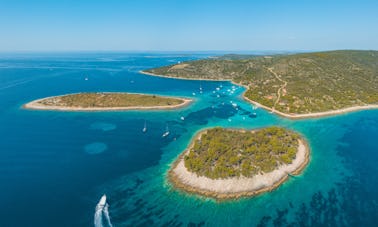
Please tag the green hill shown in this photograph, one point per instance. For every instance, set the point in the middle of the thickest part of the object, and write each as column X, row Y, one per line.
column 295, row 83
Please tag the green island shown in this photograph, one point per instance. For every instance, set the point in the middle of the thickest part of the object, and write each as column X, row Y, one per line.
column 293, row 85
column 107, row 101
column 229, row 163
column 222, row 153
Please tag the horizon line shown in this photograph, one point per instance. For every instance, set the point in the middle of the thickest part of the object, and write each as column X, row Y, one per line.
column 176, row 51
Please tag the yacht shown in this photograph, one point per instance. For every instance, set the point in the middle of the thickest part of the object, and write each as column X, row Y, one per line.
column 145, row 127
column 166, row 133
column 101, row 204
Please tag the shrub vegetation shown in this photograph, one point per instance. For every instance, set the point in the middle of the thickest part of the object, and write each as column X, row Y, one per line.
column 316, row 82
column 223, row 153
column 87, row 100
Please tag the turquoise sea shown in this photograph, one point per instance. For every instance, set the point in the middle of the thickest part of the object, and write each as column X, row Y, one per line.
column 55, row 166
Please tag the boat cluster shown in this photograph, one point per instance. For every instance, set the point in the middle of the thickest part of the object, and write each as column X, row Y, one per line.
column 166, row 132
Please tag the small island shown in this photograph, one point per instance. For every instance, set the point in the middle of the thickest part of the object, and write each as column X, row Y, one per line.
column 229, row 164
column 106, row 101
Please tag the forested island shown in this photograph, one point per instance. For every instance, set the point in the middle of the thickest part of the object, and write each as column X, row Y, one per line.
column 229, row 163
column 294, row 85
column 98, row 101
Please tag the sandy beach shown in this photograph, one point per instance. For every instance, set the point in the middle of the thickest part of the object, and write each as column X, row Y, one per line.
column 233, row 188
column 314, row 115
column 37, row 105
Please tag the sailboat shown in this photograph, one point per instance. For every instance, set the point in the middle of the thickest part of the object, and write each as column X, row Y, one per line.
column 145, row 127
column 166, row 133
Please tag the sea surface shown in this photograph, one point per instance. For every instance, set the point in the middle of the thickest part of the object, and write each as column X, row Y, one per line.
column 55, row 166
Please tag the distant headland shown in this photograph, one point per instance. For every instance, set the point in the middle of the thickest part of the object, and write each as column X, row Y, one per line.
column 106, row 101
column 295, row 86
column 229, row 163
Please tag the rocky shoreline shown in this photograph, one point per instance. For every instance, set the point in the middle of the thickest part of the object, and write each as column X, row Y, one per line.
column 236, row 187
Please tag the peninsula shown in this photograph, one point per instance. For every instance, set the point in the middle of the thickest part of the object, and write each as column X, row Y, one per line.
column 293, row 85
column 228, row 163
column 106, row 101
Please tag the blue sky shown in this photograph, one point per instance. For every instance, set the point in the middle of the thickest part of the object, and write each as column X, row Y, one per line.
column 187, row 25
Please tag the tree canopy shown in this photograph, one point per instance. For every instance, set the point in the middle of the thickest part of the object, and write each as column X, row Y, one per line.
column 223, row 153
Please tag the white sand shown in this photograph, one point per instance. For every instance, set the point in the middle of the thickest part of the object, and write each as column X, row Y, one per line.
column 315, row 115
column 241, row 184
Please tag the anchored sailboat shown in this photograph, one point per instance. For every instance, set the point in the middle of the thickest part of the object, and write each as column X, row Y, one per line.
column 166, row 133
column 145, row 127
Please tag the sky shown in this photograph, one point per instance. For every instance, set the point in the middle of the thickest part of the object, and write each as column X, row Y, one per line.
column 187, row 25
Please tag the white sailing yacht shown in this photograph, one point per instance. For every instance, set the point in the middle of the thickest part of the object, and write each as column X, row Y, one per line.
column 145, row 127
column 166, row 133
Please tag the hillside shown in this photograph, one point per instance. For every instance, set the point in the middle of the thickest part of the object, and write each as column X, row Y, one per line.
column 294, row 84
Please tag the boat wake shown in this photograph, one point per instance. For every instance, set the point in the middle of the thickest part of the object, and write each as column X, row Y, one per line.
column 101, row 217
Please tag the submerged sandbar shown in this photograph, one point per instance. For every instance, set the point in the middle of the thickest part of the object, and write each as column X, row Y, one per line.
column 228, row 164
column 107, row 101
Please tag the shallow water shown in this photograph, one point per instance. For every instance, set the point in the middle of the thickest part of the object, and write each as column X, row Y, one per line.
column 55, row 166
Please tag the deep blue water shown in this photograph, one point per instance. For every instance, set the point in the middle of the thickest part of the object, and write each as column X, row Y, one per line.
column 55, row 166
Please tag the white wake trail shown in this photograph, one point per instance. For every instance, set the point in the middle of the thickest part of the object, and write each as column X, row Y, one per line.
column 102, row 209
column 98, row 218
column 106, row 214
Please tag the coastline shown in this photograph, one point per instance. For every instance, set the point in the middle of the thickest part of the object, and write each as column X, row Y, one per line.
column 316, row 114
column 236, row 187
column 35, row 105
column 180, row 78
column 286, row 115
